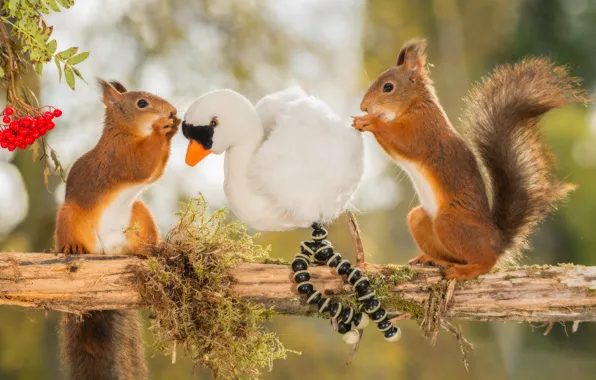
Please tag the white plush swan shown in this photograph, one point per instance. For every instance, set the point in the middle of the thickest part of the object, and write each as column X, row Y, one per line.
column 290, row 160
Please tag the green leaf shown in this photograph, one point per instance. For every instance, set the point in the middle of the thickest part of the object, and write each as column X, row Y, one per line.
column 52, row 45
column 65, row 54
column 78, row 74
column 69, row 75
column 39, row 67
column 78, row 58
column 57, row 62
column 42, row 8
column 66, row 3
column 55, row 159
column 52, row 4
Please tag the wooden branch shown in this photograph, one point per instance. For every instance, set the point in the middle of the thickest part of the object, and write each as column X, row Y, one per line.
column 81, row 283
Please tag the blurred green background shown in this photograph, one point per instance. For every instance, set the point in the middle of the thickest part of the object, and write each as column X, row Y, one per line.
column 334, row 48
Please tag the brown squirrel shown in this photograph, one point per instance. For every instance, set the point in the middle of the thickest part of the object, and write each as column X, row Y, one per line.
column 455, row 226
column 102, row 215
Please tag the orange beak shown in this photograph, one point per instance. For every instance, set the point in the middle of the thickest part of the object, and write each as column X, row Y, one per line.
column 195, row 153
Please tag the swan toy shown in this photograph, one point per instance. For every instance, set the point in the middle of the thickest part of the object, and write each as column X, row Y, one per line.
column 290, row 162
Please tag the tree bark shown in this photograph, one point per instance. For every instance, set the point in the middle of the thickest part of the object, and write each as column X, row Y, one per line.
column 78, row 284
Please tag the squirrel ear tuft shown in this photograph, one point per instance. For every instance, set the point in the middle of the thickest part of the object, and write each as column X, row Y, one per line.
column 412, row 55
column 110, row 94
column 118, row 86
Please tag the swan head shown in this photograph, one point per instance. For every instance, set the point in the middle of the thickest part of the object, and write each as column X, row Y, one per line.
column 217, row 121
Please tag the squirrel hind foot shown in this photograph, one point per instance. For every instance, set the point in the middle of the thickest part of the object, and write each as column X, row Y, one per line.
column 466, row 271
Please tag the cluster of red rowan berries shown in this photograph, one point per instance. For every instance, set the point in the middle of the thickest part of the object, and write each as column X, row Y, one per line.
column 20, row 132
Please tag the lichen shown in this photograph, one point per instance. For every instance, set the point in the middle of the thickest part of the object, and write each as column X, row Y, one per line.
column 186, row 284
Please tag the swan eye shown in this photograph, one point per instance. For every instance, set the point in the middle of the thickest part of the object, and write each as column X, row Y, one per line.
column 214, row 123
column 388, row 87
column 142, row 103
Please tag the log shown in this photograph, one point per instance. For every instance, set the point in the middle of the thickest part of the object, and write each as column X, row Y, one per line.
column 78, row 284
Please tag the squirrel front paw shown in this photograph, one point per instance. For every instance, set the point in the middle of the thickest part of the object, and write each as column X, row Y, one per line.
column 73, row 249
column 364, row 123
column 166, row 126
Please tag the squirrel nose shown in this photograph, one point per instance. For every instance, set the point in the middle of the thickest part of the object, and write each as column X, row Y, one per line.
column 363, row 107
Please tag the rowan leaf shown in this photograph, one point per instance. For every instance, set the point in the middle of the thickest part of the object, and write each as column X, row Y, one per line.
column 65, row 54
column 52, row 45
column 78, row 74
column 55, row 160
column 69, row 76
column 39, row 67
column 66, row 3
column 78, row 58
column 52, row 4
column 57, row 62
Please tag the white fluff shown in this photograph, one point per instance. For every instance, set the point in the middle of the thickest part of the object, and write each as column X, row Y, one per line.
column 290, row 161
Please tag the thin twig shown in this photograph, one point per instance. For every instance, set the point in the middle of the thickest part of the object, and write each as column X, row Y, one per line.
column 401, row 317
column 464, row 345
column 548, row 328
column 355, row 232
column 448, row 296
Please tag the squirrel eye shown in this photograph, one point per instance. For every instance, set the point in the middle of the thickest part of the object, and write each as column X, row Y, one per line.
column 388, row 87
column 213, row 123
column 142, row 103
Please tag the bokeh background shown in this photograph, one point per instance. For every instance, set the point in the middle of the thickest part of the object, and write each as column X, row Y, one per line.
column 180, row 49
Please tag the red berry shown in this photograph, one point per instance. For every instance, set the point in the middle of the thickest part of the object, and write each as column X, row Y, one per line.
column 29, row 140
column 42, row 130
column 24, row 131
column 3, row 144
column 18, row 140
column 50, row 125
column 26, row 121
column 11, row 147
column 35, row 134
column 48, row 115
column 9, row 111
column 14, row 124
column 34, row 123
column 6, row 133
column 23, row 145
column 6, row 119
column 57, row 112
column 10, row 139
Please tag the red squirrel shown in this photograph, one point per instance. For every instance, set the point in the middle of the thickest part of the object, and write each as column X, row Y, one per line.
column 101, row 214
column 456, row 227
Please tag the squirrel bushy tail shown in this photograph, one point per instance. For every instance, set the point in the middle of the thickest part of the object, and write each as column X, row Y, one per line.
column 502, row 124
column 104, row 346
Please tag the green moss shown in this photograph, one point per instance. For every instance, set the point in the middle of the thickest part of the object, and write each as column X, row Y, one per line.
column 399, row 274
column 591, row 292
column 186, row 285
column 277, row 261
column 395, row 302
column 392, row 276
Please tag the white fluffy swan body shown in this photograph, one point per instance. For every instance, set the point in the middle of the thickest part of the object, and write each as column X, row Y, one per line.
column 290, row 161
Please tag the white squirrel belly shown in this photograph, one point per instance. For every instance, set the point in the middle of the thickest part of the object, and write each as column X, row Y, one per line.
column 425, row 193
column 114, row 221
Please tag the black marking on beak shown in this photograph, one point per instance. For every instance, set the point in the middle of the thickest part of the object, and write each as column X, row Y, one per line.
column 203, row 134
